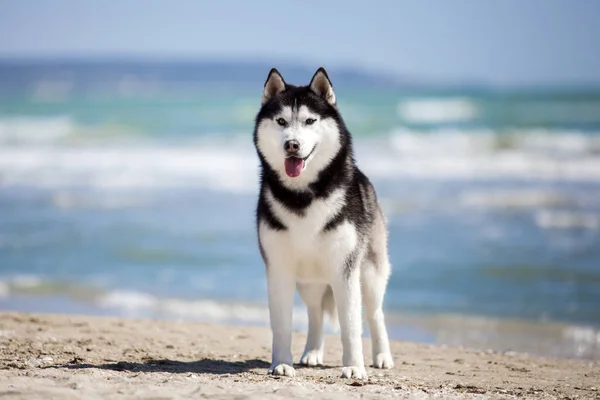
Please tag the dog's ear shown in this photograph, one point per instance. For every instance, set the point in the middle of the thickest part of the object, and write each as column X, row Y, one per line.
column 273, row 86
column 321, row 85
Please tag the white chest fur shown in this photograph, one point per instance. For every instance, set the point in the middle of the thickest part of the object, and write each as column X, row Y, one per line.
column 304, row 248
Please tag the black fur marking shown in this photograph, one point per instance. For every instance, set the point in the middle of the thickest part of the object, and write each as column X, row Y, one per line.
column 265, row 214
column 294, row 201
column 335, row 221
column 262, row 253
column 350, row 264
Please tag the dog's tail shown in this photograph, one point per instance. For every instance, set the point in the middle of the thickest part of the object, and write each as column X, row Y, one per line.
column 330, row 308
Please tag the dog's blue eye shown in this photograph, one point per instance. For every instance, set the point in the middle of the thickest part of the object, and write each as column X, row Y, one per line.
column 281, row 121
column 310, row 121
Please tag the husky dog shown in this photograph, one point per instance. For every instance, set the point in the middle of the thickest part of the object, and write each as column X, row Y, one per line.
column 320, row 228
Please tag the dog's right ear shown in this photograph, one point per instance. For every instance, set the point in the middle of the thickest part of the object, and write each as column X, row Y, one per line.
column 273, row 86
column 321, row 85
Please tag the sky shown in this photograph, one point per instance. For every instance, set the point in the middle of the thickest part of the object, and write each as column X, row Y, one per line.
column 509, row 42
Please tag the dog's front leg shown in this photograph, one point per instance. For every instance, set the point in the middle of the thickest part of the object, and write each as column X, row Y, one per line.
column 281, row 286
column 346, row 290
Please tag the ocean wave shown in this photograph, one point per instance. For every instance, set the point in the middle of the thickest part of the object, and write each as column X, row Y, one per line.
column 4, row 290
column 63, row 130
column 519, row 167
column 19, row 283
column 231, row 165
column 236, row 170
column 437, row 110
column 140, row 303
column 97, row 200
column 567, row 219
column 26, row 281
column 223, row 168
column 583, row 334
column 443, row 141
column 514, row 198
column 137, row 303
column 32, row 284
column 486, row 141
column 35, row 130
column 484, row 154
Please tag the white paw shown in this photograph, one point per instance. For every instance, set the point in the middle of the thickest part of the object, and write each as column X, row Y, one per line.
column 312, row 358
column 354, row 372
column 282, row 370
column 383, row 360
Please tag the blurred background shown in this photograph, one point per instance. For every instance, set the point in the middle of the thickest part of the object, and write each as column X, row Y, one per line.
column 128, row 177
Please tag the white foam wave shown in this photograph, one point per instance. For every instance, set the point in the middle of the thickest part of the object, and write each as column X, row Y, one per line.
column 442, row 142
column 513, row 198
column 4, row 290
column 60, row 130
column 128, row 300
column 19, row 282
column 97, row 200
column 437, row 110
column 486, row 142
column 564, row 219
column 510, row 166
column 134, row 302
column 583, row 334
column 25, row 281
column 564, row 143
column 127, row 168
column 586, row 340
column 35, row 130
column 232, row 165
column 454, row 154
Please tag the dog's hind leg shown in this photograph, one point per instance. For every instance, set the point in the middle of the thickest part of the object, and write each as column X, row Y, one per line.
column 313, row 295
column 375, row 274
column 373, row 290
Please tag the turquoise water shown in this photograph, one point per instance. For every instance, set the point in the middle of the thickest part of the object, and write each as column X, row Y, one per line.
column 130, row 190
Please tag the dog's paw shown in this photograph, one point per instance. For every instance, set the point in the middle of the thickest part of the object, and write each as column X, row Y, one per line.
column 354, row 373
column 312, row 358
column 383, row 360
column 281, row 370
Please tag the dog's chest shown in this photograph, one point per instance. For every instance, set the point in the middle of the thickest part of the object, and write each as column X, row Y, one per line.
column 305, row 244
column 309, row 222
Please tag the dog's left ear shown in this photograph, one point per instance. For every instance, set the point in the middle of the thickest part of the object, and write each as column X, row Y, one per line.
column 321, row 85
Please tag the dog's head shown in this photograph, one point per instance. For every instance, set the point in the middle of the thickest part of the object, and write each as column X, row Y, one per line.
column 298, row 128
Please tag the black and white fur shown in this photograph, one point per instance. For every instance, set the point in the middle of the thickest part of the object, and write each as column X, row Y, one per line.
column 322, row 231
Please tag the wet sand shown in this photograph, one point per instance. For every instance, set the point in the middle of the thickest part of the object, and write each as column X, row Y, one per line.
column 44, row 356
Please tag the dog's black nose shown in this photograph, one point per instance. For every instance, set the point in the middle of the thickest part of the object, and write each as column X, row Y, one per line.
column 291, row 146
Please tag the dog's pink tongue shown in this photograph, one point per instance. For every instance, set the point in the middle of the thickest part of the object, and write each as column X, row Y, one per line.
column 293, row 166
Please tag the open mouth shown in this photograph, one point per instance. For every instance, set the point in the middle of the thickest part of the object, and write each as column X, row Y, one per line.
column 295, row 165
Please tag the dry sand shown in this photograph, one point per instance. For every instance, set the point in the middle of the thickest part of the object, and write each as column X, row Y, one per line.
column 45, row 356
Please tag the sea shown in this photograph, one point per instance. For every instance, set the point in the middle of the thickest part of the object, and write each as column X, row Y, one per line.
column 128, row 188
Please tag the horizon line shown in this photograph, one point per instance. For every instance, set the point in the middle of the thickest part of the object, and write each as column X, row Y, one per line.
column 399, row 78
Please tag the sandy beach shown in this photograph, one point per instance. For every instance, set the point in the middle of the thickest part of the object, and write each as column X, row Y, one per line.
column 46, row 356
